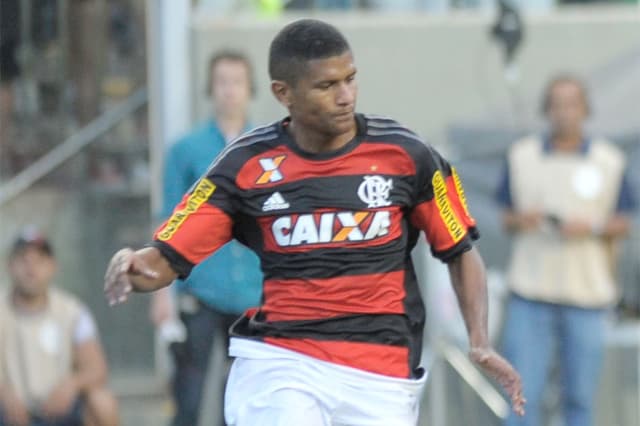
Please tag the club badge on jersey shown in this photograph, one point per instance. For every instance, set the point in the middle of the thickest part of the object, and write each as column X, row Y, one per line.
column 375, row 191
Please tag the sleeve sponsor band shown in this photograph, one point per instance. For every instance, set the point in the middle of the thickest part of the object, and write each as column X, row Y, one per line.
column 199, row 196
column 460, row 190
column 455, row 228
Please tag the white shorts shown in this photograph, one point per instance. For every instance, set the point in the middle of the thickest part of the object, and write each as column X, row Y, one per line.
column 272, row 386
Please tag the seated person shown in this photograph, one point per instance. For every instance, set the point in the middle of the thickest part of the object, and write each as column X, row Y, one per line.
column 52, row 368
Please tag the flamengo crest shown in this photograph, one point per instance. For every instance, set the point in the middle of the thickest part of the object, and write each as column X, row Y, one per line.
column 374, row 191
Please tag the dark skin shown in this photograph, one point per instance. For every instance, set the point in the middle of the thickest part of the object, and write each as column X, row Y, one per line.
column 321, row 104
column 566, row 112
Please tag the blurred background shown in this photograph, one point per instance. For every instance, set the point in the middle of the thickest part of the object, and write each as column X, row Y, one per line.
column 104, row 86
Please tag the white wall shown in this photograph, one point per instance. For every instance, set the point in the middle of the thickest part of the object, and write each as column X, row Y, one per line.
column 429, row 71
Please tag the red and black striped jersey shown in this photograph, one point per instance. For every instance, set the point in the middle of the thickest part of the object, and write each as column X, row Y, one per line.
column 334, row 232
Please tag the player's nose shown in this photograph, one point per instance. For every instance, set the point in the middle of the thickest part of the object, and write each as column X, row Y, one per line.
column 346, row 94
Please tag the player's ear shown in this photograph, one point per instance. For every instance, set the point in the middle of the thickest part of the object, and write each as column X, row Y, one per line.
column 282, row 92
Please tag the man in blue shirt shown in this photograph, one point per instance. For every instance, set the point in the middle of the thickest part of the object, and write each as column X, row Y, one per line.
column 229, row 281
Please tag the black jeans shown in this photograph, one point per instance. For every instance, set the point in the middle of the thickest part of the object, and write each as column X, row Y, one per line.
column 191, row 359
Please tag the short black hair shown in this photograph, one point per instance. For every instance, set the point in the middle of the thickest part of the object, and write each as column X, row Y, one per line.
column 299, row 42
column 233, row 56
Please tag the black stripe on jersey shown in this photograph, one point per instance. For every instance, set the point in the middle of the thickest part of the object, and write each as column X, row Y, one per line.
column 367, row 328
column 394, row 132
column 333, row 262
column 178, row 263
column 461, row 246
column 339, row 192
column 247, row 231
column 415, row 311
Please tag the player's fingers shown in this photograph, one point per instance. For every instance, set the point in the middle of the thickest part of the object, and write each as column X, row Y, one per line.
column 119, row 292
column 518, row 405
column 117, row 284
column 119, row 264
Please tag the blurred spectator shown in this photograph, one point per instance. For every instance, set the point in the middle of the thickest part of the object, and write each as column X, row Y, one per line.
column 566, row 200
column 52, row 368
column 228, row 282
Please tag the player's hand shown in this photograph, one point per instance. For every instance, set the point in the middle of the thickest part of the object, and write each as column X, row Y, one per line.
column 117, row 280
column 61, row 399
column 501, row 371
column 12, row 408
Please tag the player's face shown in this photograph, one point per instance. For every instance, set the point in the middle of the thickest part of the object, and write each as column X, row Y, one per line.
column 567, row 108
column 231, row 88
column 31, row 271
column 324, row 99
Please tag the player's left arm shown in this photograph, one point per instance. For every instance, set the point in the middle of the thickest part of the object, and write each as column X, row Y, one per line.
column 468, row 278
column 442, row 213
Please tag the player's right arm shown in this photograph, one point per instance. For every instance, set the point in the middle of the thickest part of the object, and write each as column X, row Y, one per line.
column 200, row 224
column 178, row 175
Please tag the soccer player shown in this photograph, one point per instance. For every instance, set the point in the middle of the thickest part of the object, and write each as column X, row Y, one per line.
column 332, row 201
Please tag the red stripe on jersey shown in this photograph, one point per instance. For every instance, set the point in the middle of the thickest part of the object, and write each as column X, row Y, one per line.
column 300, row 233
column 308, row 299
column 375, row 358
column 270, row 168
column 197, row 232
column 441, row 225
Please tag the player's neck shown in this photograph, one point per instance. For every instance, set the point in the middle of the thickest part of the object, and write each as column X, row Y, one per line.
column 316, row 142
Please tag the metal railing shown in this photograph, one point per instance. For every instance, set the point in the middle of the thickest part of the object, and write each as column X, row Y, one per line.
column 487, row 393
column 72, row 145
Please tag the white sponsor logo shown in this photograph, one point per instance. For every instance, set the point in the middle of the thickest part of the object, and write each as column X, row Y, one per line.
column 374, row 191
column 330, row 227
column 271, row 172
column 275, row 202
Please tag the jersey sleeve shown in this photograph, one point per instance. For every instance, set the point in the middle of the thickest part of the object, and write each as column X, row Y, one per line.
column 201, row 223
column 440, row 208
